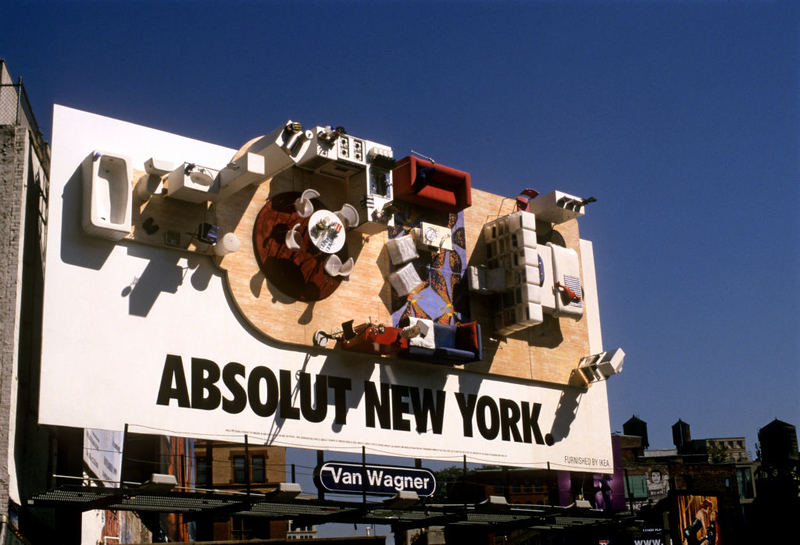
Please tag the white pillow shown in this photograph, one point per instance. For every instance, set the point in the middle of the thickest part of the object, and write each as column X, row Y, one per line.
column 425, row 338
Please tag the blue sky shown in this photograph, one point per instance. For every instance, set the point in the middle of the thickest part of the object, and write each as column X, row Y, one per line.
column 682, row 118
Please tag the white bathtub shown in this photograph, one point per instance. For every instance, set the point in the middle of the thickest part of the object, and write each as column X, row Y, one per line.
column 107, row 191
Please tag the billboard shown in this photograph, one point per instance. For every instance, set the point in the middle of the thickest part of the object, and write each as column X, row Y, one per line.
column 102, row 456
column 697, row 516
column 152, row 335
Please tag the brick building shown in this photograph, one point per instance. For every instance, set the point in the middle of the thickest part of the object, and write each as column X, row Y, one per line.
column 663, row 483
column 239, row 468
column 24, row 183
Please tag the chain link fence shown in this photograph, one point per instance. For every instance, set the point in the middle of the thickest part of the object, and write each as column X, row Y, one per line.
column 15, row 109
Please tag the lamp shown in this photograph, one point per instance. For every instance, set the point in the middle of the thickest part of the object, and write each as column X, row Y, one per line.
column 402, row 500
column 285, row 492
column 493, row 503
column 599, row 367
column 228, row 244
column 159, row 482
column 321, row 338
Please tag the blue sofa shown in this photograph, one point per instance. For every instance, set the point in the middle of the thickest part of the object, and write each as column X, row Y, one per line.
column 454, row 344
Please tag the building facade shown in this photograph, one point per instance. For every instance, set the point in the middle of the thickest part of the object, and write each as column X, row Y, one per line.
column 239, row 468
column 24, row 189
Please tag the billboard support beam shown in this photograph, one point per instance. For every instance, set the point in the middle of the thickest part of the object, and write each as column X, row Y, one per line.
column 320, row 461
column 364, row 474
column 247, row 465
column 122, row 460
column 210, row 465
column 465, row 482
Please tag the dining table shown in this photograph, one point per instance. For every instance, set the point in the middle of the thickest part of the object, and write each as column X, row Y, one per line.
column 326, row 231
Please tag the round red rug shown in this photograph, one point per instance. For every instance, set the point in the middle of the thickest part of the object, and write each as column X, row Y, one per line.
column 299, row 274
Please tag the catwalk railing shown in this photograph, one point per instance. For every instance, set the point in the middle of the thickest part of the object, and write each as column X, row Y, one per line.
column 15, row 109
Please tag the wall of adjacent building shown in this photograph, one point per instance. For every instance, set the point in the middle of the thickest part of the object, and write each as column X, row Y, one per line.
column 24, row 182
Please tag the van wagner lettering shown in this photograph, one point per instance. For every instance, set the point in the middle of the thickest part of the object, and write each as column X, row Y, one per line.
column 374, row 479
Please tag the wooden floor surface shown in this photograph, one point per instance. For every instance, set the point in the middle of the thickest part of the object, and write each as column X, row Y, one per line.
column 547, row 352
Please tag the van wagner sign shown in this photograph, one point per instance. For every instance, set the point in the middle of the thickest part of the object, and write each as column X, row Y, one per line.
column 354, row 478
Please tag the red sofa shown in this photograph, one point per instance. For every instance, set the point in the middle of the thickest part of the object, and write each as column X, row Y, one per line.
column 431, row 185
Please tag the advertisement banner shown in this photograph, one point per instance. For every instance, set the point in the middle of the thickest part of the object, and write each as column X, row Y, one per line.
column 102, row 455
column 697, row 517
column 152, row 337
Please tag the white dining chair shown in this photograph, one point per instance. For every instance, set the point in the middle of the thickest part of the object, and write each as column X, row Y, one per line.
column 347, row 267
column 333, row 265
column 293, row 238
column 348, row 216
column 303, row 204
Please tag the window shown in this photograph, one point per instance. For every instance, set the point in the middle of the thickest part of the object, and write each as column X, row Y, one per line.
column 202, row 469
column 636, row 486
column 745, row 481
column 259, row 469
column 241, row 529
column 239, row 474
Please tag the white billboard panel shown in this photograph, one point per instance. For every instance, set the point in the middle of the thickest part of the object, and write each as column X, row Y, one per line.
column 148, row 337
column 102, row 455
